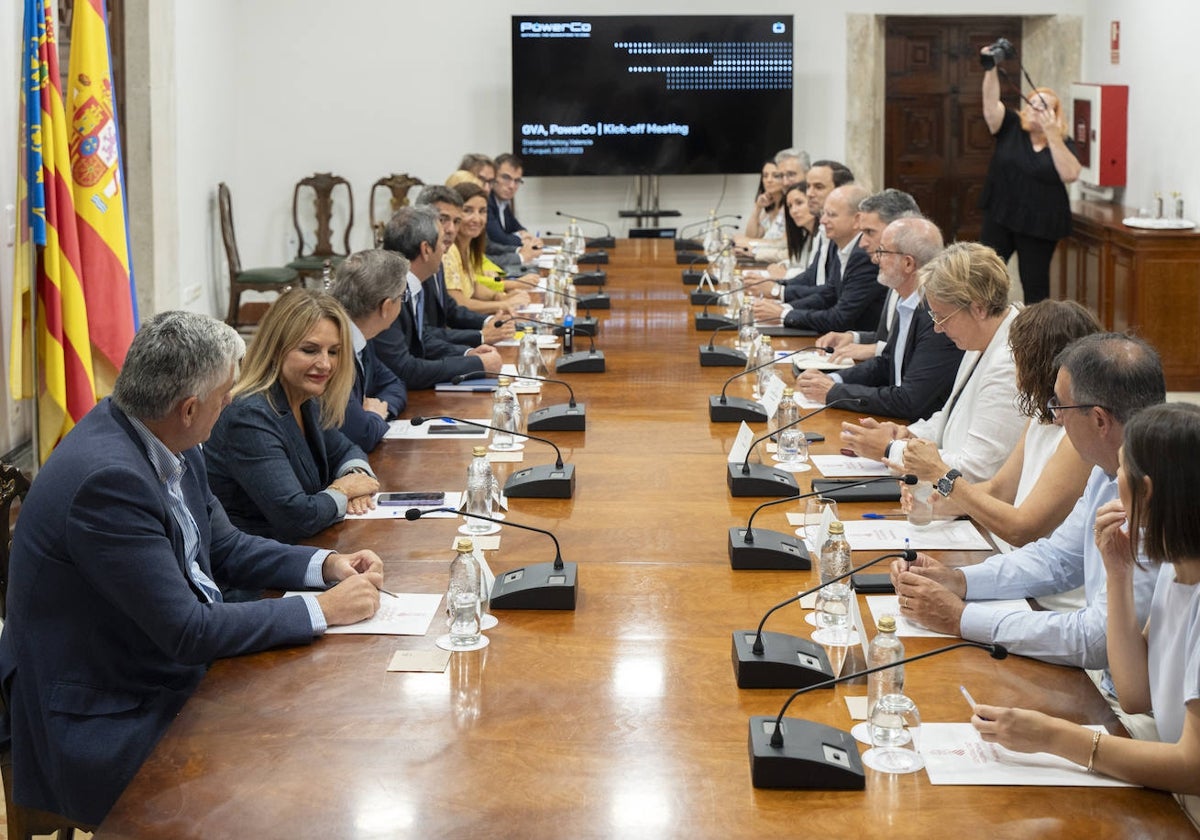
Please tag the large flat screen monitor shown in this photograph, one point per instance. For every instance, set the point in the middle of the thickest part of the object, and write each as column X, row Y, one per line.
column 660, row 95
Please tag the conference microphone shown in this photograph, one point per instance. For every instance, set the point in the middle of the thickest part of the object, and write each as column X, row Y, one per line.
column 725, row 409
column 706, row 321
column 695, row 244
column 713, row 356
column 571, row 417
column 764, row 549
column 587, row 303
column 686, row 258
column 542, row 586
column 736, row 217
column 780, row 660
column 748, row 479
column 547, row 481
column 606, row 241
column 691, row 277
column 796, row 754
column 572, row 360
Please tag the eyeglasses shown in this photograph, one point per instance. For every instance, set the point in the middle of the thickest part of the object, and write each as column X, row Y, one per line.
column 879, row 252
column 1052, row 405
column 938, row 322
column 508, row 179
column 487, row 182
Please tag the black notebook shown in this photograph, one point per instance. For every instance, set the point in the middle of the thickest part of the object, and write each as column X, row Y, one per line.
column 835, row 488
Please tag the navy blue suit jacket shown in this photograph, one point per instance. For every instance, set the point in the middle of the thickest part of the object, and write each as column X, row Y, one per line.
column 421, row 361
column 929, row 362
column 853, row 302
column 372, row 379
column 270, row 475
column 502, row 233
column 458, row 324
column 106, row 636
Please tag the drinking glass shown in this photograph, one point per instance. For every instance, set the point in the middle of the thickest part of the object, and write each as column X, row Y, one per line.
column 814, row 511
column 895, row 727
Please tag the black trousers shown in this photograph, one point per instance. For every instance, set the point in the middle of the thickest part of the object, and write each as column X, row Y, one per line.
column 1033, row 255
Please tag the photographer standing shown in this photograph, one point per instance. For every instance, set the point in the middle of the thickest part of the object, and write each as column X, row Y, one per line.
column 1024, row 202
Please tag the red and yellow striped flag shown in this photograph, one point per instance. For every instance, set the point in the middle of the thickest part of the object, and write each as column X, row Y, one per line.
column 96, row 180
column 65, row 389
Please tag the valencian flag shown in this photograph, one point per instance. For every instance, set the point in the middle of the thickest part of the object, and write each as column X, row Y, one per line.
column 47, row 245
column 99, row 193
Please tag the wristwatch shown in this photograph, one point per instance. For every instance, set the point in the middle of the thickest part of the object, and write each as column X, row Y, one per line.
column 946, row 483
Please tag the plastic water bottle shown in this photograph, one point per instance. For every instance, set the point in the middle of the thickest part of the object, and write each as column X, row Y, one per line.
column 478, row 498
column 765, row 356
column 462, row 595
column 506, row 415
column 747, row 332
column 790, row 444
column 568, row 338
column 885, row 647
column 921, row 512
column 529, row 358
column 833, row 601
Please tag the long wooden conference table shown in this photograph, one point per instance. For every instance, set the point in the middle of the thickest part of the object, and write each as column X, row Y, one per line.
column 619, row 719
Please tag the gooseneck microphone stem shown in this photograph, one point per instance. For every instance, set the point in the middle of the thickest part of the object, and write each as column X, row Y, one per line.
column 481, row 374
column 744, row 286
column 767, row 364
column 703, row 222
column 858, row 401
column 711, row 345
column 907, row 554
column 558, row 462
column 996, row 651
column 906, row 479
column 413, row 514
column 607, row 229
column 524, row 318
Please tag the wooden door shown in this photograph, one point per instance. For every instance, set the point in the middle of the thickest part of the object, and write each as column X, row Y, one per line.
column 937, row 145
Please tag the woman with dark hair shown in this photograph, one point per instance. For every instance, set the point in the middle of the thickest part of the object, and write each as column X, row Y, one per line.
column 764, row 225
column 1044, row 476
column 793, row 253
column 1024, row 200
column 276, row 458
column 465, row 262
column 1155, row 667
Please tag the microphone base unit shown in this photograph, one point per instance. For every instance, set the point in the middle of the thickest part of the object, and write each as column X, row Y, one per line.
column 536, row 587
column 761, row 481
column 596, row 301
column 813, row 756
column 719, row 356
column 593, row 258
column 684, row 258
column 786, row 661
column 704, row 298
column 582, row 361
column 600, row 242
column 691, row 277
column 545, row 481
column 558, row 418
column 770, row 550
column 735, row 410
column 707, row 322
column 585, row 325
column 590, row 278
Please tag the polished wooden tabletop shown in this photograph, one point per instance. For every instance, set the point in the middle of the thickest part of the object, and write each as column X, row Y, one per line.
column 620, row 719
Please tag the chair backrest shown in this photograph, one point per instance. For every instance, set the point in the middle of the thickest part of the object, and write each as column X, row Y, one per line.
column 14, row 484
column 323, row 184
column 227, row 235
column 400, row 185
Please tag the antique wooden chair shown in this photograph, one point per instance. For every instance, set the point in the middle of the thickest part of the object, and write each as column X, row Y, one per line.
column 399, row 186
column 251, row 279
column 326, row 211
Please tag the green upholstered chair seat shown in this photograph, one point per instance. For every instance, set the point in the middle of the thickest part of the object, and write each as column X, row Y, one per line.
column 311, row 264
column 269, row 276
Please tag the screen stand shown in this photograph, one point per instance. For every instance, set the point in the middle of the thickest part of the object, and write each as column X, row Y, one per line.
column 645, row 189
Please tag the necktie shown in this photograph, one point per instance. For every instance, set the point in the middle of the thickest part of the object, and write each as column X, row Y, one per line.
column 419, row 307
column 833, row 270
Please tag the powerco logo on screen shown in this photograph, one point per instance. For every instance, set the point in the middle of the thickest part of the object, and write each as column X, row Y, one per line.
column 548, row 29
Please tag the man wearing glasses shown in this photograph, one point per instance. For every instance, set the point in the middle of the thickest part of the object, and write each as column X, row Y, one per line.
column 913, row 375
column 1103, row 380
column 503, row 227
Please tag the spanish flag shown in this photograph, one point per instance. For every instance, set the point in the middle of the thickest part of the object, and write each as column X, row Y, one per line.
column 47, row 248
column 99, row 193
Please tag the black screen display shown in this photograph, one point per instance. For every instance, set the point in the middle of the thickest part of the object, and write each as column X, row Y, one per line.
column 667, row 95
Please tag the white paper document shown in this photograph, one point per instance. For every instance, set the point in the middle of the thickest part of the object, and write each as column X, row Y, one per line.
column 845, row 466
column 453, row 500
column 405, row 430
column 881, row 605
column 813, row 360
column 955, row 755
column 897, row 534
column 405, row 614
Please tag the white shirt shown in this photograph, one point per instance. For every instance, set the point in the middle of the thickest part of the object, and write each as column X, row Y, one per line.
column 983, row 423
column 904, row 316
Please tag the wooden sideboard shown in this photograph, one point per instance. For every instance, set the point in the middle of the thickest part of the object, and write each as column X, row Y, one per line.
column 1146, row 282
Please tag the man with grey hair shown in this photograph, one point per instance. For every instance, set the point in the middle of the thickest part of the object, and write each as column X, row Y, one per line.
column 913, row 375
column 372, row 286
column 792, row 165
column 875, row 212
column 114, row 608
column 419, row 356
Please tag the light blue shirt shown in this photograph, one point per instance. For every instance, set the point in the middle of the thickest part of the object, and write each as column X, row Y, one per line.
column 1063, row 561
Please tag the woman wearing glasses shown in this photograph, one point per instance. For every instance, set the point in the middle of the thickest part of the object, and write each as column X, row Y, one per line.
column 1024, row 200
column 1155, row 667
column 966, row 293
column 1044, row 476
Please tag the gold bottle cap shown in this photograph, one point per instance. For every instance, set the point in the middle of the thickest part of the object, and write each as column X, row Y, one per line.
column 789, row 392
column 504, row 381
column 464, row 545
column 886, row 624
column 479, row 451
column 836, row 527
